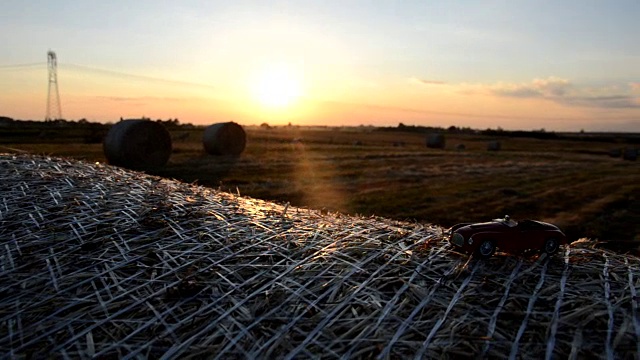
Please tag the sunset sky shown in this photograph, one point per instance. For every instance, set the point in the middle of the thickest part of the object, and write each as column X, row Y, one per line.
column 560, row 65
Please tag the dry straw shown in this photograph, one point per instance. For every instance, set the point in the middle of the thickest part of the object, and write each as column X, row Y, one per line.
column 224, row 139
column 137, row 144
column 97, row 261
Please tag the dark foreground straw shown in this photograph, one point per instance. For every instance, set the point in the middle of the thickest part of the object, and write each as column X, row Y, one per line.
column 100, row 261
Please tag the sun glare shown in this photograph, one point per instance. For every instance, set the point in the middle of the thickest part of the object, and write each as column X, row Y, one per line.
column 277, row 87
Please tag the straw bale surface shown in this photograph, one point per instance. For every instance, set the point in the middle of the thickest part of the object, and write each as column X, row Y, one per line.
column 98, row 261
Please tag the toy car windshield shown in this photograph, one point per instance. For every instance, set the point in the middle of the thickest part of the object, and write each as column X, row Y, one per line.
column 507, row 221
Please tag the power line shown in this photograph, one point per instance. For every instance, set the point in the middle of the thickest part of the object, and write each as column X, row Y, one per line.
column 107, row 72
column 125, row 75
column 23, row 66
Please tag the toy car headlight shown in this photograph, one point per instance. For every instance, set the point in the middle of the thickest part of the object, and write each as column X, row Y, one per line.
column 457, row 239
column 470, row 241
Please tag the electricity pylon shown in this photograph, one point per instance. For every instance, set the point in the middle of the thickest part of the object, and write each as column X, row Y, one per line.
column 54, row 110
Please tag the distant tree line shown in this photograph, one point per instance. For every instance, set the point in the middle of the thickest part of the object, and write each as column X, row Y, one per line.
column 631, row 138
column 10, row 122
column 82, row 130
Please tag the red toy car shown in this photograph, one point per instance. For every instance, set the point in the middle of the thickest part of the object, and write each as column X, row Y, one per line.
column 482, row 239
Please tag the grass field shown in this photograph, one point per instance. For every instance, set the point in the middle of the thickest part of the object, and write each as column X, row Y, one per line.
column 574, row 184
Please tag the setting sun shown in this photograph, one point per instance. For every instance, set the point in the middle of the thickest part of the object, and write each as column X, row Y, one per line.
column 277, row 87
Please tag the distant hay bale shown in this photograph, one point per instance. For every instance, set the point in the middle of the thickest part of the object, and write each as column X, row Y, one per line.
column 460, row 147
column 615, row 153
column 101, row 262
column 630, row 154
column 435, row 141
column 494, row 146
column 137, row 144
column 226, row 138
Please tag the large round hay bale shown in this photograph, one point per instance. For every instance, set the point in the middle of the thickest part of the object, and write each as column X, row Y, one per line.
column 224, row 139
column 74, row 267
column 137, row 144
column 494, row 146
column 435, row 141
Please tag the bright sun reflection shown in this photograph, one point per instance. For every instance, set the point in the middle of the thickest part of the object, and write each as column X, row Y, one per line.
column 277, row 87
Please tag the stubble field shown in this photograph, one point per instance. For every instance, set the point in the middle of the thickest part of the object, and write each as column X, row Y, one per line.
column 574, row 184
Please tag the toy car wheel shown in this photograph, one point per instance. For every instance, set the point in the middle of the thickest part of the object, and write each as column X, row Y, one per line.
column 551, row 246
column 486, row 249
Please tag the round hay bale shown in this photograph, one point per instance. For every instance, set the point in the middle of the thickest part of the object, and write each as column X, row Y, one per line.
column 630, row 154
column 615, row 153
column 226, row 138
column 137, row 144
column 460, row 147
column 435, row 141
column 62, row 284
column 494, row 146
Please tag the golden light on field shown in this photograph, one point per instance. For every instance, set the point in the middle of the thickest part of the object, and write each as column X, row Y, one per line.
column 277, row 86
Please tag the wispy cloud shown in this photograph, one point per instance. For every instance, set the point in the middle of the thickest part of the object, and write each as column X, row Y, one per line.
column 551, row 87
column 609, row 102
column 378, row 108
column 562, row 91
column 555, row 89
column 426, row 82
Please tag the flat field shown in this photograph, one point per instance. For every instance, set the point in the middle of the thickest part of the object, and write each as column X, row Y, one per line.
column 573, row 183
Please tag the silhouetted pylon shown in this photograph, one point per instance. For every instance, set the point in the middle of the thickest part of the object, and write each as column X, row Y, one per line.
column 54, row 110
